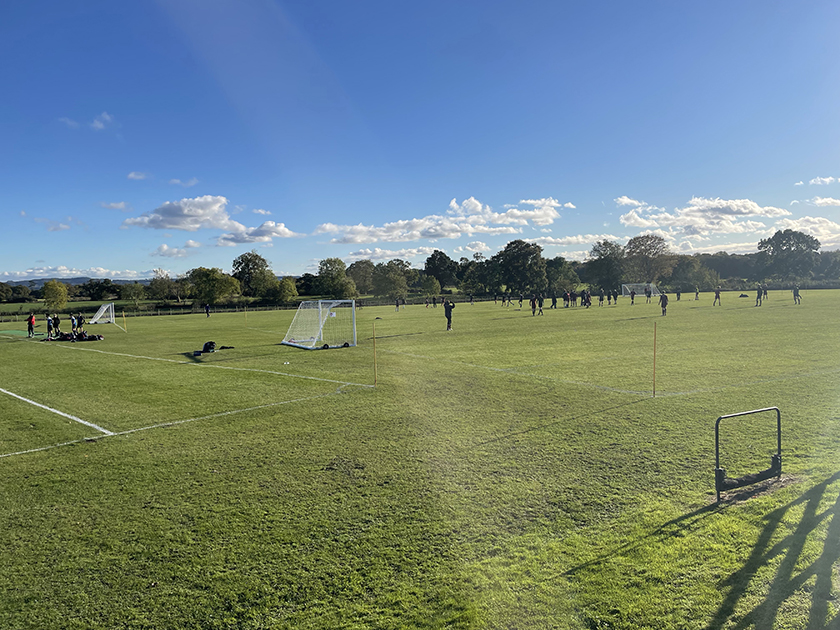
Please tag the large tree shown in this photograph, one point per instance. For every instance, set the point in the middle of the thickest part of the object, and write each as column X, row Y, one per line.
column 134, row 292
column 285, row 291
column 5, row 292
column 211, row 286
column 522, row 267
column 605, row 267
column 561, row 275
column 333, row 280
column 647, row 258
column 55, row 295
column 442, row 267
column 254, row 274
column 392, row 279
column 162, row 286
column 789, row 254
column 361, row 272
column 98, row 290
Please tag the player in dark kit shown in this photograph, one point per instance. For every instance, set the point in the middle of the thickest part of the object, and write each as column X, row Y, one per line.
column 447, row 310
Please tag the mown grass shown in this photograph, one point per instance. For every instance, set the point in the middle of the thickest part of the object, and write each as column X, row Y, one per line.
column 514, row 473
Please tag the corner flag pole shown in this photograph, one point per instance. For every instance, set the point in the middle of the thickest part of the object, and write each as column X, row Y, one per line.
column 125, row 326
column 374, row 351
column 654, row 359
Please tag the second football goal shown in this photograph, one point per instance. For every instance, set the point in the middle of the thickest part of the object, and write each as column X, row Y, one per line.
column 323, row 324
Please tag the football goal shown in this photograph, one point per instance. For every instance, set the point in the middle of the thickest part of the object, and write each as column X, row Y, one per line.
column 639, row 288
column 106, row 315
column 323, row 324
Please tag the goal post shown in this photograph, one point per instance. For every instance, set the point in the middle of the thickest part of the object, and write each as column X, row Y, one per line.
column 106, row 315
column 322, row 324
column 639, row 288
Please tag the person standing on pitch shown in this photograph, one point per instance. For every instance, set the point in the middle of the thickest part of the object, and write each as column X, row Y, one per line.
column 717, row 297
column 663, row 302
column 448, row 305
column 30, row 325
column 207, row 309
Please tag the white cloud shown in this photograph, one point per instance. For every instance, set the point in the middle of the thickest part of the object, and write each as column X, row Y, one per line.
column 53, row 226
column 260, row 211
column 187, row 184
column 117, row 205
column 799, row 183
column 474, row 247
column 633, row 219
column 569, row 204
column 389, row 254
column 103, row 120
column 624, row 200
column 138, row 175
column 72, row 272
column 825, row 201
column 580, row 239
column 72, row 124
column 169, row 252
column 192, row 243
column 189, row 215
column 262, row 234
column 822, row 181
column 824, row 230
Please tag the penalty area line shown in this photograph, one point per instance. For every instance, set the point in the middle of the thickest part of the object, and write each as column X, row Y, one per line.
column 219, row 367
column 170, row 424
column 60, row 413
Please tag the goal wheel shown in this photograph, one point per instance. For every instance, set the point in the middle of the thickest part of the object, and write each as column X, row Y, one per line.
column 326, row 346
column 346, row 345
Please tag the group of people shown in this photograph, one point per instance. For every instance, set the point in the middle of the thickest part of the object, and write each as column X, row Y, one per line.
column 77, row 323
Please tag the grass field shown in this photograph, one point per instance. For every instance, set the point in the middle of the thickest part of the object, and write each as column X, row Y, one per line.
column 513, row 473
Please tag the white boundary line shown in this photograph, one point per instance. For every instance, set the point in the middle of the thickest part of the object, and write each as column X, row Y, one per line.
column 60, row 413
column 164, row 424
column 210, row 365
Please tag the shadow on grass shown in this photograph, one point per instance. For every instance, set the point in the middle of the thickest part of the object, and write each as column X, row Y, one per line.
column 791, row 575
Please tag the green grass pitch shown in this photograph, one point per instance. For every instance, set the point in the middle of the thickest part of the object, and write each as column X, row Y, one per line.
column 516, row 472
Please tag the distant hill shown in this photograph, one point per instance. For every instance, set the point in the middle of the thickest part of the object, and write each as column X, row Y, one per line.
column 38, row 283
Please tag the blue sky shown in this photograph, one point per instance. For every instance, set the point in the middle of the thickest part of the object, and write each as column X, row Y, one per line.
column 179, row 134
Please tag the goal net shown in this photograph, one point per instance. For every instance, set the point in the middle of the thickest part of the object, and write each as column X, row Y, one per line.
column 323, row 324
column 105, row 315
column 639, row 288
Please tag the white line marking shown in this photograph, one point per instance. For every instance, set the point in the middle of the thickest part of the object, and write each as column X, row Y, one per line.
column 210, row 365
column 170, row 424
column 60, row 413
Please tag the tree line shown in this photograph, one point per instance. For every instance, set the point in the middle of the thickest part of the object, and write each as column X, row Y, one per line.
column 785, row 258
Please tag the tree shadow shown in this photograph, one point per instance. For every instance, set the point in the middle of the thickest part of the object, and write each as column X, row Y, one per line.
column 790, row 576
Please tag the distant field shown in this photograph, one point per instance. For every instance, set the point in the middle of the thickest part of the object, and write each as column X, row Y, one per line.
column 516, row 472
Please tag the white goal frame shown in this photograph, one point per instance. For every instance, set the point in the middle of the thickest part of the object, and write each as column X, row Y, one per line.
column 106, row 315
column 639, row 288
column 322, row 324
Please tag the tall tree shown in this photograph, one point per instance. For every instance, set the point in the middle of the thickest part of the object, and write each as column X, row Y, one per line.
column 393, row 278
column 361, row 272
column 211, row 286
column 430, row 286
column 55, row 295
column 333, row 280
column 307, row 284
column 285, row 291
column 254, row 274
column 561, row 275
column 134, row 292
column 442, row 267
column 162, row 286
column 5, row 292
column 605, row 267
column 522, row 267
column 98, row 290
column 21, row 293
column 789, row 254
column 647, row 258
